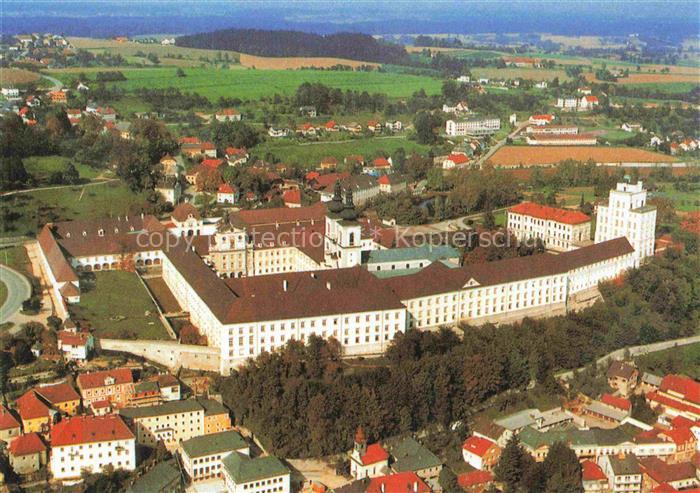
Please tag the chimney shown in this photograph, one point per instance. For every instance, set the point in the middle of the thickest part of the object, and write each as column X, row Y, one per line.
column 382, row 487
column 285, row 284
column 415, row 487
column 328, row 285
column 313, row 275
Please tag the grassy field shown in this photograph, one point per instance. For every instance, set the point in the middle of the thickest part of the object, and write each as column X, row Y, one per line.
column 524, row 73
column 116, row 305
column 16, row 257
column 684, row 201
column 685, row 360
column 24, row 214
column 41, row 167
column 309, row 155
column 253, row 84
column 17, row 76
column 667, row 87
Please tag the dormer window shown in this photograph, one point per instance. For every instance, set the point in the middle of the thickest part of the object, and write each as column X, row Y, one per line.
column 100, row 232
column 116, row 230
column 84, row 233
column 67, row 235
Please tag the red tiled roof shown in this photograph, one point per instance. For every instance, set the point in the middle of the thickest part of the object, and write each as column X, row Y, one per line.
column 189, row 140
column 184, row 210
column 590, row 471
column 550, row 213
column 292, row 197
column 236, row 151
column 60, row 267
column 381, row 162
column 57, row 393
column 225, row 188
column 89, row 429
column 664, row 488
column 591, row 99
column 30, row 406
column 7, row 419
column 687, row 387
column 375, row 453
column 27, row 444
column 69, row 289
column 328, row 180
column 208, row 146
column 331, row 124
column 311, row 175
column 403, row 481
column 683, row 422
column 680, row 436
column 212, row 163
column 661, row 472
column 97, row 379
column 473, row 478
column 73, row 338
column 457, row 158
column 477, row 445
column 384, row 180
column 548, row 118
column 616, row 402
column 315, row 212
column 228, row 112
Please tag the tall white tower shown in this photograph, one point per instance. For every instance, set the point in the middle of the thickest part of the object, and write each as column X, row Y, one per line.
column 627, row 214
column 343, row 238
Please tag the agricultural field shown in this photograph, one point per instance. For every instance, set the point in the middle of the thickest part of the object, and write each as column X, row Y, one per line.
column 113, row 315
column 25, row 213
column 514, row 156
column 309, row 155
column 41, row 167
column 254, row 84
column 18, row 76
column 683, row 201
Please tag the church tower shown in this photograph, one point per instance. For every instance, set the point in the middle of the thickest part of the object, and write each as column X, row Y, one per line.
column 360, row 444
column 343, row 242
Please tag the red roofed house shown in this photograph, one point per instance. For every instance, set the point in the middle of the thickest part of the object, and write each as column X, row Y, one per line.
column 236, row 155
column 593, row 477
column 475, row 481
column 559, row 229
column 228, row 115
column 212, row 163
column 9, row 425
column 374, row 126
column 328, row 163
column 377, row 166
column 657, row 472
column 455, row 161
column 27, row 453
column 60, row 396
column 617, row 402
column 58, row 96
column 677, row 396
column 90, row 443
column 480, row 452
column 331, row 126
column 588, row 102
column 191, row 146
column 36, row 414
column 75, row 346
column 396, row 483
column 685, row 442
column 226, row 194
column 367, row 461
column 540, row 120
column 392, row 183
column 292, row 198
column 306, row 129
column 114, row 385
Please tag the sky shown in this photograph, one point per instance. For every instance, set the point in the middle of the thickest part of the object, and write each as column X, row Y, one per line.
column 569, row 17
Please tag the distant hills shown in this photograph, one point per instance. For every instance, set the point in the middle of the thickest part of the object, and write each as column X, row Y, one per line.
column 260, row 42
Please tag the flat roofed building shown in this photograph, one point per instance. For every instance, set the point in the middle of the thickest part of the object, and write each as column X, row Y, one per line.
column 472, row 126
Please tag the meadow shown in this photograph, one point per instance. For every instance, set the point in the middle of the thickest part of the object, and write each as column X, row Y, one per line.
column 41, row 167
column 254, row 84
column 536, row 74
column 17, row 76
column 25, row 213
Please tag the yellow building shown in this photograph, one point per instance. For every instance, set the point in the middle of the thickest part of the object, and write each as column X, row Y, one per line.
column 36, row 416
column 216, row 417
column 60, row 396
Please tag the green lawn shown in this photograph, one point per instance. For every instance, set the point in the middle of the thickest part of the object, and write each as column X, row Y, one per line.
column 253, row 84
column 3, row 292
column 310, row 155
column 684, row 201
column 685, row 360
column 26, row 213
column 15, row 257
column 116, row 306
column 667, row 87
column 41, row 167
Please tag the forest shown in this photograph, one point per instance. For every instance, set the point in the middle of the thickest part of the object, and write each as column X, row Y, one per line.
column 353, row 46
column 305, row 401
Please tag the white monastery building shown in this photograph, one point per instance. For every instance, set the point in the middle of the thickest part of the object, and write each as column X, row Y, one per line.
column 559, row 229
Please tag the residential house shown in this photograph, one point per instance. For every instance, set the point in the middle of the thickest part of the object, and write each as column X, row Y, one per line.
column 392, row 183
column 306, row 129
column 623, row 473
column 541, row 120
column 60, row 396
column 588, row 102
column 374, row 126
column 409, row 455
column 632, row 127
column 170, row 422
column 480, row 453
column 169, row 165
column 36, row 415
column 353, row 128
column 649, row 383
column 91, row 443
column 228, row 115
column 393, row 126
column 328, row 163
column 10, row 426
column 27, row 453
column 292, row 198
column 236, row 155
column 59, row 96
column 227, row 194
column 309, row 111
column 456, row 160
column 475, row 481
column 169, row 188
column 169, row 386
column 460, row 107
column 567, row 103
column 331, row 126
column 656, row 472
column 145, row 393
column 609, row 408
column 367, row 461
column 114, row 386
column 75, row 346
column 278, row 132
column 543, row 84
column 622, row 376
column 202, row 456
column 260, row 475
column 379, row 165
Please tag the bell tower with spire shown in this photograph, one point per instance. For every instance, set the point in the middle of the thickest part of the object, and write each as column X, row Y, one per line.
column 343, row 242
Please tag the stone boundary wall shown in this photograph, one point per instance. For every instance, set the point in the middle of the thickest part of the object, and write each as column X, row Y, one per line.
column 167, row 353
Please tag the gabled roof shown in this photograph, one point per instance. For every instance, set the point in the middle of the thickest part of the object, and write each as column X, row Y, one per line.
column 212, row 163
column 410, row 455
column 225, row 188
column 7, row 419
column 590, row 471
column 184, row 210
column 69, row 290
column 620, row 369
column 616, row 402
column 89, row 429
column 381, row 162
column 58, row 393
column 550, row 213
column 457, row 158
column 30, row 443
column 477, row 445
column 214, row 443
column 374, row 453
column 661, row 472
column 98, row 378
column 678, row 384
column 292, row 197
column 60, row 267
column 407, row 481
column 473, row 478
column 30, row 406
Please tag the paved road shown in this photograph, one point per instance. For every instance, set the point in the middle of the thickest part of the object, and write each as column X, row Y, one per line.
column 97, row 181
column 18, row 290
column 500, row 143
column 57, row 84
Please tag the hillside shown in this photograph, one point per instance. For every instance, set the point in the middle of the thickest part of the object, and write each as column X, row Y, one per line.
column 297, row 44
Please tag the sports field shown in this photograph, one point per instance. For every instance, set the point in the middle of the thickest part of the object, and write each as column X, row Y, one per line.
column 513, row 156
column 252, row 84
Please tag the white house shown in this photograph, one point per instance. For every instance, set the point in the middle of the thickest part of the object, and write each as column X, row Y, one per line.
column 260, row 475
column 91, row 443
column 226, row 194
column 559, row 229
column 75, row 346
column 480, row 453
column 367, row 461
column 202, row 456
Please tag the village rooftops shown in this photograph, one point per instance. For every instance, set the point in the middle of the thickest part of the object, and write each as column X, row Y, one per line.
column 89, row 429
column 117, row 376
column 27, row 444
column 550, row 213
column 410, row 455
column 7, row 419
column 661, row 472
column 214, row 443
column 164, row 409
column 57, row 393
column 431, row 253
column 243, row 469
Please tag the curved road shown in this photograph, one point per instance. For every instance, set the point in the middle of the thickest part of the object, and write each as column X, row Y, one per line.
column 57, row 84
column 18, row 290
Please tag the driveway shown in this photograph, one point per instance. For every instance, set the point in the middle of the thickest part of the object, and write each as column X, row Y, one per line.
column 18, row 290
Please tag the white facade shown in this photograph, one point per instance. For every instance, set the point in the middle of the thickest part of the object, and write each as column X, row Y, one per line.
column 555, row 235
column 627, row 214
column 472, row 126
column 69, row 461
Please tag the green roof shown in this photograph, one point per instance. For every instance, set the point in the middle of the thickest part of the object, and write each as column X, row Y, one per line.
column 410, row 455
column 625, row 466
column 163, row 478
column 532, row 438
column 243, row 469
column 170, row 407
column 212, row 407
column 215, row 443
column 427, row 252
